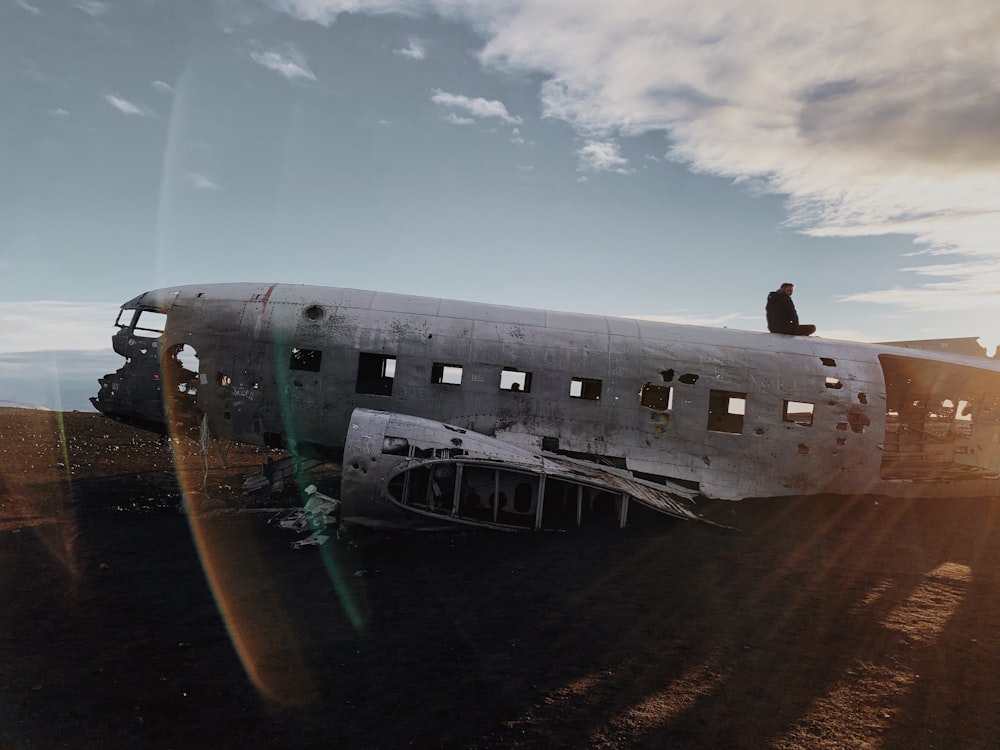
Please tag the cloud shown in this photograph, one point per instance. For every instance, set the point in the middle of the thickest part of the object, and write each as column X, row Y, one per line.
column 475, row 108
column 28, row 7
column 59, row 112
column 970, row 286
column 602, row 156
column 458, row 120
column 92, row 8
column 162, row 86
column 43, row 325
column 125, row 106
column 325, row 12
column 291, row 63
column 417, row 50
column 871, row 118
column 201, row 182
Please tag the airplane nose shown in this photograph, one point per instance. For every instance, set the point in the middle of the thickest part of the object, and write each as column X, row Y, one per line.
column 133, row 394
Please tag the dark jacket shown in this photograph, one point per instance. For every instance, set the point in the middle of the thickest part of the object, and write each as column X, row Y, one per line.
column 781, row 315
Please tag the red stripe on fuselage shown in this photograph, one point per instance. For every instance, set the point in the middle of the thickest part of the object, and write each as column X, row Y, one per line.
column 266, row 298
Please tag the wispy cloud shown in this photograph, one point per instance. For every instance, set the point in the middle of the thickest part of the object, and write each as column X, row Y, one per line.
column 325, row 12
column 290, row 63
column 871, row 118
column 975, row 287
column 28, row 7
column 162, row 86
column 59, row 112
column 125, row 106
column 474, row 108
column 602, row 156
column 458, row 119
column 92, row 8
column 201, row 182
column 417, row 50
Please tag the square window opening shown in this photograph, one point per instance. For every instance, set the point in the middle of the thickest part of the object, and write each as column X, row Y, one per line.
column 585, row 388
column 376, row 374
column 515, row 380
column 443, row 374
column 726, row 410
column 798, row 412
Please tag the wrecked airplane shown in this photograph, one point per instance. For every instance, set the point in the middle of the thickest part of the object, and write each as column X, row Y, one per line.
column 441, row 410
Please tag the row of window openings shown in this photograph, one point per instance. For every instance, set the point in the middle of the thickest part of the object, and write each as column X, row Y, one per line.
column 384, row 366
column 376, row 373
column 726, row 410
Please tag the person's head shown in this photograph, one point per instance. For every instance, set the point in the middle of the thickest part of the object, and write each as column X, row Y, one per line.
column 788, row 288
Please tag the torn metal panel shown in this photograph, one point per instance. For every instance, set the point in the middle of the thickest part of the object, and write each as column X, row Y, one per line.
column 389, row 456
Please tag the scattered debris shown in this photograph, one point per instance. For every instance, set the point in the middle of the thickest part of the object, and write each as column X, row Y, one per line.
column 319, row 513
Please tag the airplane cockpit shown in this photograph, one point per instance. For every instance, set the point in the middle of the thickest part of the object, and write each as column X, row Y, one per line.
column 133, row 394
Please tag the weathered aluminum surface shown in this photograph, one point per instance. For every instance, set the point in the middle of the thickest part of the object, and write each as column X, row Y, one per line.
column 881, row 420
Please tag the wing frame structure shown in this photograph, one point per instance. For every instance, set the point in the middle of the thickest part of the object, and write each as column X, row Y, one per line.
column 396, row 465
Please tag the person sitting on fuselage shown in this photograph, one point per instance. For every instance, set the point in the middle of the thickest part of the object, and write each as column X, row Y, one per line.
column 781, row 314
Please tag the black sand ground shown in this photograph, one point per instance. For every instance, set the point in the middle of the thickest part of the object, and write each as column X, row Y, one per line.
column 824, row 623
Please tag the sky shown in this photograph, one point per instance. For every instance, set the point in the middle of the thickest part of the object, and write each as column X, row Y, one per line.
column 674, row 160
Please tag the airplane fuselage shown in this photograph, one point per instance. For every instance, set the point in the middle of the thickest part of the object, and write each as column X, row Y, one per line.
column 732, row 413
